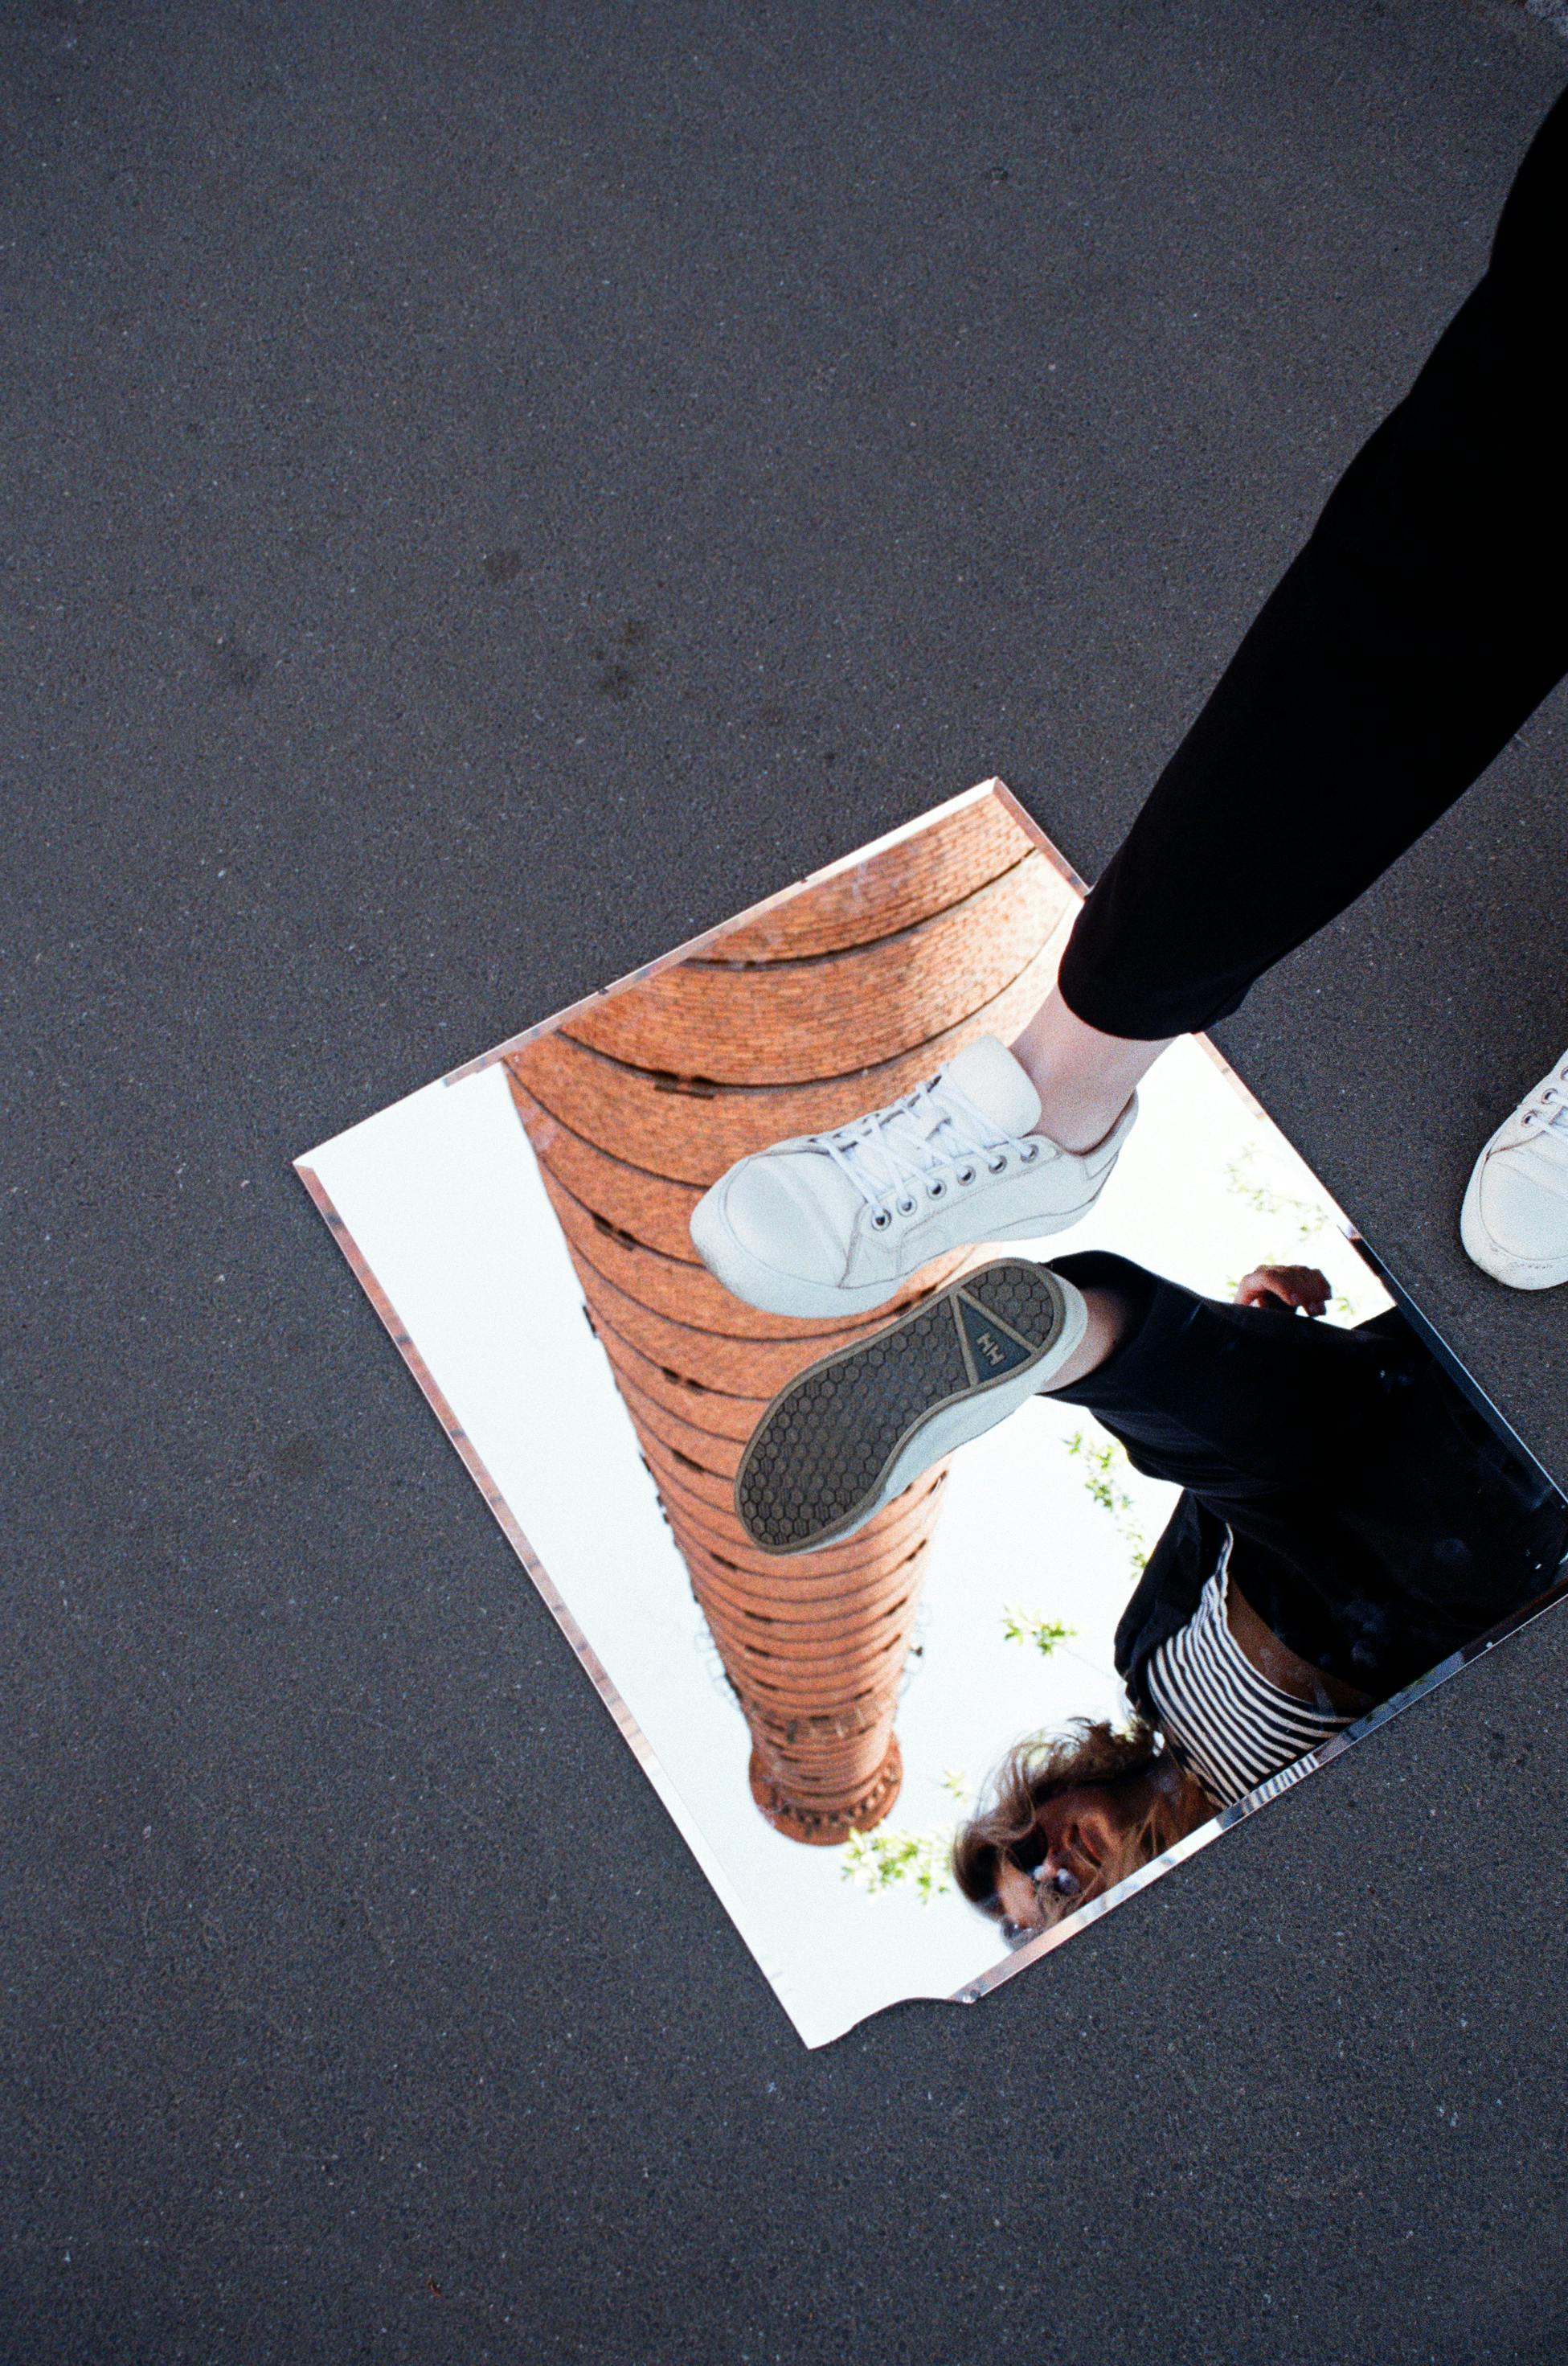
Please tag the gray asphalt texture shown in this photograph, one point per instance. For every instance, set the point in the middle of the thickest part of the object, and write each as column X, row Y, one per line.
column 490, row 492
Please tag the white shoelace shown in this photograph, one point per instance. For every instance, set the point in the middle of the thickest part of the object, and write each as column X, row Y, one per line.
column 890, row 1150
column 1551, row 1132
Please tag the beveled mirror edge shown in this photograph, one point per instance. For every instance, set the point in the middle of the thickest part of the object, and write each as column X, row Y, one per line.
column 1262, row 1796
column 511, row 1528
column 1018, row 1960
column 694, row 945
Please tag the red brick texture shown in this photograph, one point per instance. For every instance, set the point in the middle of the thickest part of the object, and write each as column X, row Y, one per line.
column 836, row 1000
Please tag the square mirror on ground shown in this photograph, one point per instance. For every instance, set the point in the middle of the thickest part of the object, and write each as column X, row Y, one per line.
column 924, row 1703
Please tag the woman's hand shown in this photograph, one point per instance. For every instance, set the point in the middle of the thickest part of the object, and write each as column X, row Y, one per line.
column 1283, row 1287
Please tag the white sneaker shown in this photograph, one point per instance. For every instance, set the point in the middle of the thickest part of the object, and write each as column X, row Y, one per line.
column 834, row 1223
column 862, row 1423
column 1514, row 1221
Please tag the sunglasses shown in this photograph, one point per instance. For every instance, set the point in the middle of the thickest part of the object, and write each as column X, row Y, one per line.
column 1057, row 1889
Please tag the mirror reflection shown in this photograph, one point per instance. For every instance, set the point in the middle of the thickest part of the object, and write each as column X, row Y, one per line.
column 1346, row 1520
column 846, row 994
column 955, row 1521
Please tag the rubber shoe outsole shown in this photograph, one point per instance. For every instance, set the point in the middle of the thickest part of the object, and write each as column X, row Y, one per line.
column 858, row 1427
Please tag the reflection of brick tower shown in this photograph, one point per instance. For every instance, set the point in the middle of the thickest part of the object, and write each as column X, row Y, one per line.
column 841, row 997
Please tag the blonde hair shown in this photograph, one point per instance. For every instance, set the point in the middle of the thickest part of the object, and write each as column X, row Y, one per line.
column 1089, row 1752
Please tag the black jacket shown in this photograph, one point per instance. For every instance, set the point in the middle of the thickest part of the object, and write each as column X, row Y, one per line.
column 1379, row 1520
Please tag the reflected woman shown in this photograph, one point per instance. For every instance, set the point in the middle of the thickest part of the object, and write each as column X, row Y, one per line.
column 1347, row 1520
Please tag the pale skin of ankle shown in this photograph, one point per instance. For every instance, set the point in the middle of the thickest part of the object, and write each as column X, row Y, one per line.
column 1084, row 1079
column 1107, row 1328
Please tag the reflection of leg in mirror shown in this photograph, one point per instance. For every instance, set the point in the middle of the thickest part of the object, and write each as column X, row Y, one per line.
column 857, row 1427
column 1346, row 1520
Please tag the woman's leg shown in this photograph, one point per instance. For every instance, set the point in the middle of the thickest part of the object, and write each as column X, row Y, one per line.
column 1084, row 1079
column 864, row 1422
column 1110, row 1318
column 1424, row 621
column 1378, row 1520
column 1232, row 1401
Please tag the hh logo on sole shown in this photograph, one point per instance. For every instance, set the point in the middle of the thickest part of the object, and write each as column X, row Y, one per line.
column 993, row 1348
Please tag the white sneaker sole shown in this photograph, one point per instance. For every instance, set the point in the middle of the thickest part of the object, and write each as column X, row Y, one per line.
column 763, row 1286
column 859, row 1426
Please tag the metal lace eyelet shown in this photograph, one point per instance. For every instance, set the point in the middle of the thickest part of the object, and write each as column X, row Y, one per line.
column 881, row 1219
column 965, row 1174
column 1027, row 1157
column 997, row 1166
column 905, row 1207
column 934, row 1190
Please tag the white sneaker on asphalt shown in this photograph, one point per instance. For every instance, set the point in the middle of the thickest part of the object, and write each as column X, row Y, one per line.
column 834, row 1223
column 1514, row 1221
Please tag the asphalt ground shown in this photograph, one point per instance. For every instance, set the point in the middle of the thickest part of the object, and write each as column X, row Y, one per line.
column 488, row 492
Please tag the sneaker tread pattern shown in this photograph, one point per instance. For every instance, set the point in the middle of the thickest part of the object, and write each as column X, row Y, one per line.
column 821, row 1451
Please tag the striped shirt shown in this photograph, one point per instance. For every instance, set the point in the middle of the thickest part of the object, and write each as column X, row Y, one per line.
column 1225, row 1722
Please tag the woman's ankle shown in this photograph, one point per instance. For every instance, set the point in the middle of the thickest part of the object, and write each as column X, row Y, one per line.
column 1106, row 1326
column 1085, row 1079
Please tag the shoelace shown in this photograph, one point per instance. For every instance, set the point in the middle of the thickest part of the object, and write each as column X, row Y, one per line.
column 1557, row 1123
column 882, row 1161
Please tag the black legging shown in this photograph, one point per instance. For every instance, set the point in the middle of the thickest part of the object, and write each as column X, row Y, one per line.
column 1423, row 622
column 1378, row 1522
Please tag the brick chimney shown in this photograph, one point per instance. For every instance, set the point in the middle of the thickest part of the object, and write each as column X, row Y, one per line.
column 836, row 1000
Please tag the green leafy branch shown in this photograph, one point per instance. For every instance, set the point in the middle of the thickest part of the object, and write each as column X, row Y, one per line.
column 1102, row 1464
column 884, row 1860
column 1023, row 1627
